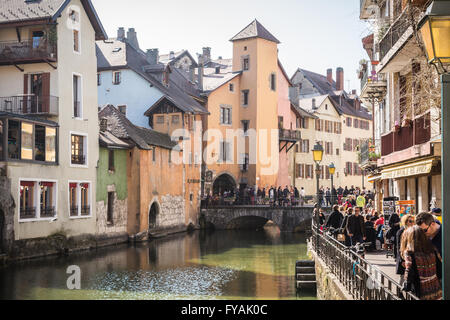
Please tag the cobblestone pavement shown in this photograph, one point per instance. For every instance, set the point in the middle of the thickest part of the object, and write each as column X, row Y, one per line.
column 385, row 264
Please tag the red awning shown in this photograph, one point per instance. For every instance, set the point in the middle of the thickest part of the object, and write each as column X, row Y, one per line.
column 47, row 184
column 27, row 184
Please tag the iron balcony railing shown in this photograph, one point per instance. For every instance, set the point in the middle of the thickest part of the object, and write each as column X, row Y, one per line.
column 47, row 212
column 394, row 33
column 73, row 211
column 85, row 210
column 28, row 213
column 30, row 105
column 290, row 135
column 26, row 51
column 362, row 280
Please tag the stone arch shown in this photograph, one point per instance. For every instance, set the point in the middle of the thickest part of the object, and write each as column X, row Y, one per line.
column 224, row 182
column 253, row 222
column 153, row 215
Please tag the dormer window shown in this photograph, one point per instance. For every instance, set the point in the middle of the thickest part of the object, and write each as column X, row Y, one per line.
column 166, row 78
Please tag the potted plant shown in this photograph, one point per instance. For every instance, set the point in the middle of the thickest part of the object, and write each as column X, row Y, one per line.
column 406, row 123
column 396, row 127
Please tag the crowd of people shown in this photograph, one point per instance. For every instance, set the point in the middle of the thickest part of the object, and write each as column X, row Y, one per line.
column 415, row 241
column 291, row 196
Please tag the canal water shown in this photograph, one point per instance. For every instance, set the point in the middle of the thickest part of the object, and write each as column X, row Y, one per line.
column 201, row 265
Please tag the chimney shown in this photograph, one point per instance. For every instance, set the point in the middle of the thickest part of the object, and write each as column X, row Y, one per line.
column 206, row 55
column 200, row 72
column 217, row 70
column 357, row 104
column 121, row 34
column 339, row 79
column 103, row 124
column 152, row 56
column 330, row 76
column 132, row 38
column 171, row 55
column 354, row 91
column 314, row 103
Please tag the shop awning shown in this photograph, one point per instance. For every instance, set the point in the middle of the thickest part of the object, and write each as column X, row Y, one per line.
column 372, row 179
column 408, row 170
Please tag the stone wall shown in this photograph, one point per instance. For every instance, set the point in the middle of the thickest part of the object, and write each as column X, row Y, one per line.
column 119, row 224
column 328, row 286
column 7, row 207
column 171, row 213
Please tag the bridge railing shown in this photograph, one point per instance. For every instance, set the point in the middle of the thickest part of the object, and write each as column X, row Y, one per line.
column 362, row 280
column 306, row 201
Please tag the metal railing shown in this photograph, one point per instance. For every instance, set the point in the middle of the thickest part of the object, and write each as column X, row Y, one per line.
column 307, row 201
column 26, row 50
column 27, row 213
column 394, row 33
column 30, row 105
column 362, row 280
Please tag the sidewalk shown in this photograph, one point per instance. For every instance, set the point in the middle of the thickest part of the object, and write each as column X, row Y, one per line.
column 386, row 265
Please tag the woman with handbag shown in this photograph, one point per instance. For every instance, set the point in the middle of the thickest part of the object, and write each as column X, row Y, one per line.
column 421, row 259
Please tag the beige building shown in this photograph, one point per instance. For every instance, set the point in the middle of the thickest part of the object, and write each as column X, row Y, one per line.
column 337, row 121
column 48, row 116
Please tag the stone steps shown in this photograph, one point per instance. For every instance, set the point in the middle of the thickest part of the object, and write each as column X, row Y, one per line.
column 305, row 275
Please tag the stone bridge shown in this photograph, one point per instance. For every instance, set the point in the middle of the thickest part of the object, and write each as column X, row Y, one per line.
column 244, row 217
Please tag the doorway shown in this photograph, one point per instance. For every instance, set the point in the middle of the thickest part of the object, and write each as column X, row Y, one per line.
column 154, row 211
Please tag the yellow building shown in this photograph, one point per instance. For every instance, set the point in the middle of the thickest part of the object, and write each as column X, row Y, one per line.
column 337, row 121
column 243, row 102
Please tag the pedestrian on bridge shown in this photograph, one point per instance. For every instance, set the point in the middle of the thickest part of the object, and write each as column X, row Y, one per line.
column 355, row 228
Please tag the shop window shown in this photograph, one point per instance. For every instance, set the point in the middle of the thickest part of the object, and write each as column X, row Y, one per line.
column 47, row 209
column 27, row 201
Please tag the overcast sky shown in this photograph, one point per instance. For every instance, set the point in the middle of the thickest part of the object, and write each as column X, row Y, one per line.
column 314, row 35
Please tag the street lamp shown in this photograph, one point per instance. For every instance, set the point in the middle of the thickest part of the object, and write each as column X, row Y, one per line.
column 435, row 31
column 317, row 156
column 332, row 170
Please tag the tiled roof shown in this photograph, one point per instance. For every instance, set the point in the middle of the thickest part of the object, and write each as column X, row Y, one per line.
column 13, row 11
column 107, row 139
column 320, row 82
column 165, row 58
column 346, row 106
column 122, row 128
column 114, row 54
column 254, row 30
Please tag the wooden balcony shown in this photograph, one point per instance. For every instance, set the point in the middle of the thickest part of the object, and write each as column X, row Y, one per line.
column 30, row 105
column 290, row 135
column 419, row 132
column 26, row 51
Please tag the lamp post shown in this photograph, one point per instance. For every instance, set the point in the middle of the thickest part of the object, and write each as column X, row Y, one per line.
column 435, row 31
column 318, row 155
column 332, row 169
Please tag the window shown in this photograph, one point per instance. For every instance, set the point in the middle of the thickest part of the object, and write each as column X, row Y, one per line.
column 246, row 63
column 47, row 209
column 356, row 123
column 27, row 141
column 27, row 198
column 37, row 200
column 302, row 123
column 349, row 122
column 245, row 96
column 300, row 171
column 225, row 152
column 79, row 199
column 76, row 40
column 309, row 171
column 273, row 82
column 304, row 147
column 117, row 77
column 329, row 148
column 348, row 168
column 160, row 119
column 244, row 162
column 337, row 151
column 231, row 87
column 99, row 79
column 225, row 115
column 245, row 126
column 78, row 150
column 77, row 112
column 37, row 39
column 110, row 210
column 111, row 160
column 175, row 119
column 123, row 109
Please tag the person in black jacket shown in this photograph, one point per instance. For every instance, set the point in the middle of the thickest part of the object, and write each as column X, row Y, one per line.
column 335, row 219
column 394, row 224
column 355, row 228
column 344, row 226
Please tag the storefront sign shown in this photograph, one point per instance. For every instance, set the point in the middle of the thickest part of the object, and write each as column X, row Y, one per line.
column 414, row 169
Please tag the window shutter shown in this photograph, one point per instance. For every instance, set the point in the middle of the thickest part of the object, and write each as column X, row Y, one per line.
column 45, row 92
column 25, row 92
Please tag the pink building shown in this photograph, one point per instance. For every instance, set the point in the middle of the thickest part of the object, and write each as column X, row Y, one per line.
column 287, row 123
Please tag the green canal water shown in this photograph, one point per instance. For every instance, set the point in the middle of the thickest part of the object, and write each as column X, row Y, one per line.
column 203, row 265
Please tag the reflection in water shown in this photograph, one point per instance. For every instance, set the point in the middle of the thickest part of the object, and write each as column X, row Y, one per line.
column 201, row 265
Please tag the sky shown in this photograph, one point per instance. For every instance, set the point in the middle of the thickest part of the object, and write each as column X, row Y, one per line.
column 315, row 35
